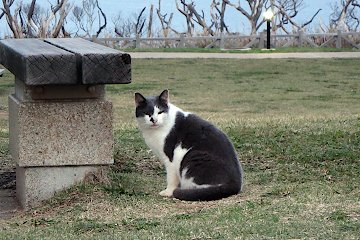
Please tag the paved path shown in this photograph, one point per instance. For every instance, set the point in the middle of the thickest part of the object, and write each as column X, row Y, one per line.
column 245, row 55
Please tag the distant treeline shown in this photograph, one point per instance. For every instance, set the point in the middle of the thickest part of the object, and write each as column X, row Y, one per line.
column 87, row 18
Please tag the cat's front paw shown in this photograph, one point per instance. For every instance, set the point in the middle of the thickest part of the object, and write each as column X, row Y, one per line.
column 166, row 193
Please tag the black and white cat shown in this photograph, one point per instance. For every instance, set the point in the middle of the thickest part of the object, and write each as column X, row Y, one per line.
column 200, row 161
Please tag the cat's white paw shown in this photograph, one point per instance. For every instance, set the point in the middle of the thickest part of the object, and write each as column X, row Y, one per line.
column 166, row 193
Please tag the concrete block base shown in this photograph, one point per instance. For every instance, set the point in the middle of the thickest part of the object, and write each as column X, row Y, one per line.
column 55, row 143
column 36, row 184
column 60, row 133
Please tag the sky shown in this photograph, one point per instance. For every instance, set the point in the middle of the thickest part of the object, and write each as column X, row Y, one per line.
column 233, row 18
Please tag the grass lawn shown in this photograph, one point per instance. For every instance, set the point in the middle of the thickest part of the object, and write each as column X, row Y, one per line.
column 294, row 123
column 253, row 50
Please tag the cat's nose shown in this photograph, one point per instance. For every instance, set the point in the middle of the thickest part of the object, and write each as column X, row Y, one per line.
column 153, row 120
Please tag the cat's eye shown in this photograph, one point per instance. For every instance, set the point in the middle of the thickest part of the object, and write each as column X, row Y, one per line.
column 161, row 112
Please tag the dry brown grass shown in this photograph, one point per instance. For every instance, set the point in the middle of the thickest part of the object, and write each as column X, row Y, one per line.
column 295, row 126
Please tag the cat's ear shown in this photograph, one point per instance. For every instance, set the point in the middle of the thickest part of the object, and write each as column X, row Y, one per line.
column 139, row 99
column 164, row 96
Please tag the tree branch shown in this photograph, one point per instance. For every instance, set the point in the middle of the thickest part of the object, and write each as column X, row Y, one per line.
column 310, row 21
column 253, row 16
column 104, row 16
column 149, row 29
column 188, row 16
column 10, row 19
column 355, row 4
column 200, row 19
column 137, row 29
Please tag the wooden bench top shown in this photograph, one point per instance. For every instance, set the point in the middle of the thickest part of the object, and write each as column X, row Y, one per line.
column 64, row 61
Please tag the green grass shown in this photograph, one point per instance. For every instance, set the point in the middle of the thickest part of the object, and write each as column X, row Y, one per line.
column 253, row 50
column 295, row 124
column 6, row 87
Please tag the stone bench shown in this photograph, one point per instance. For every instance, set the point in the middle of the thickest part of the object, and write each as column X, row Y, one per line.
column 60, row 124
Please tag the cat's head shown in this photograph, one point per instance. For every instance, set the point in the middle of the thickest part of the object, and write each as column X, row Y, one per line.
column 152, row 112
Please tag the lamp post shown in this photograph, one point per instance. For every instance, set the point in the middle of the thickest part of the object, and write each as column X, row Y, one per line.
column 268, row 15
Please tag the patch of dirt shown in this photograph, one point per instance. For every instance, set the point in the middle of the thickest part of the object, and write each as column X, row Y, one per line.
column 7, row 172
column 8, row 203
column 8, row 180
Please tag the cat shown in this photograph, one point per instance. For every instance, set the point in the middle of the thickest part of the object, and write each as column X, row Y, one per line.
column 200, row 161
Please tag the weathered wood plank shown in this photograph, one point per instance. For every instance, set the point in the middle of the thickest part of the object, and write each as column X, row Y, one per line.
column 327, row 42
column 350, row 42
column 37, row 63
column 97, row 64
column 251, row 43
column 310, row 42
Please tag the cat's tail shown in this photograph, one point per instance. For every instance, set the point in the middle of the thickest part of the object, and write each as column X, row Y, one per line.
column 210, row 193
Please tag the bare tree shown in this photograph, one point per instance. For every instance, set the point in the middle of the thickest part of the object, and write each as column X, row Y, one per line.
column 345, row 15
column 33, row 23
column 101, row 26
column 285, row 11
column 254, row 14
column 140, row 22
column 12, row 18
column 200, row 19
column 78, row 14
column 85, row 17
column 131, row 26
column 123, row 27
column 150, row 23
column 355, row 16
column 217, row 13
column 63, row 12
column 188, row 16
column 2, row 10
column 165, row 22
column 192, row 15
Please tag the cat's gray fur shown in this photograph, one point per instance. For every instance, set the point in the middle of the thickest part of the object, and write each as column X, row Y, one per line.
column 200, row 160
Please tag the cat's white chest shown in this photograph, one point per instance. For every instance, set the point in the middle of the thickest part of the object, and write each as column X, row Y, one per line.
column 156, row 141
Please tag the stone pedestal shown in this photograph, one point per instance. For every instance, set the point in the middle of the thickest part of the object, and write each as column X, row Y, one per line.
column 60, row 124
column 56, row 143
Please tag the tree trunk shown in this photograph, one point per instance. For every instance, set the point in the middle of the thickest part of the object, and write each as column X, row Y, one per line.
column 149, row 30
